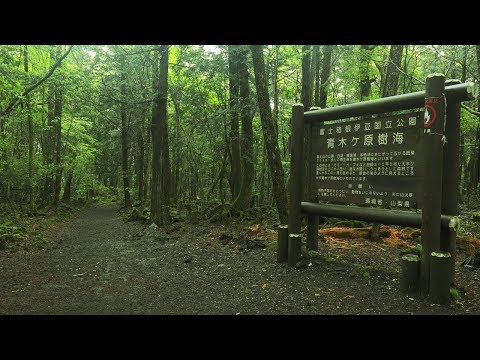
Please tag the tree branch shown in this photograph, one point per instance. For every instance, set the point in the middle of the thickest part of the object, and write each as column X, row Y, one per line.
column 470, row 110
column 15, row 101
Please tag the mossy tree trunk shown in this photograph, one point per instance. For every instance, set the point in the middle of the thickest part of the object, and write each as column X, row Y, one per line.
column 271, row 143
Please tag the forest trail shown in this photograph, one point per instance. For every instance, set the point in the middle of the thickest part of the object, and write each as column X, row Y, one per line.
column 99, row 264
column 86, row 273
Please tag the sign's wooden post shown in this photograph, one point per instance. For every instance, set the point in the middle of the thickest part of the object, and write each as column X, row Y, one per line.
column 434, row 139
column 451, row 178
column 296, row 170
column 312, row 219
column 282, row 243
column 296, row 177
column 312, row 232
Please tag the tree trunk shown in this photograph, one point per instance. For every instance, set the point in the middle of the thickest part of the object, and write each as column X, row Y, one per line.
column 123, row 115
column 49, row 142
column 393, row 71
column 316, row 59
column 160, row 155
column 271, row 145
column 242, row 201
column 306, row 97
column 364, row 69
column 140, row 163
column 30, row 137
column 58, row 137
column 176, row 151
column 67, row 191
column 234, row 79
column 326, row 69
column 275, row 91
column 164, row 150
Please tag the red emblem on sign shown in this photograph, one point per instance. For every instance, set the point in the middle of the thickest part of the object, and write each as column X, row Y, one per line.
column 430, row 116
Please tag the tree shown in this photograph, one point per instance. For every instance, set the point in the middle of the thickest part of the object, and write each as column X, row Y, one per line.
column 271, row 144
column 30, row 136
column 234, row 86
column 390, row 86
column 123, row 116
column 364, row 71
column 326, row 67
column 160, row 199
column 306, row 77
column 243, row 199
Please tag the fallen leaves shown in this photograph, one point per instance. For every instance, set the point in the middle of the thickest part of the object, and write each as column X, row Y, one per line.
column 350, row 238
column 254, row 228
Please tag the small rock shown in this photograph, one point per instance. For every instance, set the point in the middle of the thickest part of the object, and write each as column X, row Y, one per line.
column 221, row 265
column 339, row 268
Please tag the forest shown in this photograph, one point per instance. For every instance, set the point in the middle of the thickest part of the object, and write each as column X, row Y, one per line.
column 193, row 133
column 207, row 127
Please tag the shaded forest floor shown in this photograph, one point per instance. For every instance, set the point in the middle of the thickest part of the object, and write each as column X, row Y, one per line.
column 99, row 264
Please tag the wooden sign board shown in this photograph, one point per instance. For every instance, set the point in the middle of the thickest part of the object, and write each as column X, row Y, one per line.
column 374, row 161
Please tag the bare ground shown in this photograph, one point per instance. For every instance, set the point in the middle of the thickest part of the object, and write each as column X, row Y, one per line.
column 99, row 264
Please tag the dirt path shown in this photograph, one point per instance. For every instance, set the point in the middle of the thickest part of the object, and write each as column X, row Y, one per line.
column 100, row 266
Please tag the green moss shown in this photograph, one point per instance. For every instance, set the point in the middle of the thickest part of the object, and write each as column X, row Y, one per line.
column 272, row 245
column 454, row 294
column 363, row 270
column 313, row 253
column 475, row 215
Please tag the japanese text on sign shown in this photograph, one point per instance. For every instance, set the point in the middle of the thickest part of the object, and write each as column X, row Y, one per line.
column 374, row 161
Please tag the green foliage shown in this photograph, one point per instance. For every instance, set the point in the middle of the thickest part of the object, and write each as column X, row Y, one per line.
column 272, row 244
column 454, row 294
column 313, row 253
column 11, row 232
column 419, row 248
column 364, row 270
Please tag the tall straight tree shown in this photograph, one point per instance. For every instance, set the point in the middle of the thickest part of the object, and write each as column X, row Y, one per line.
column 58, row 136
column 326, row 69
column 30, row 136
column 390, row 86
column 242, row 201
column 316, row 73
column 123, row 116
column 269, row 138
column 160, row 153
column 49, row 140
column 306, row 77
column 234, row 87
column 365, row 82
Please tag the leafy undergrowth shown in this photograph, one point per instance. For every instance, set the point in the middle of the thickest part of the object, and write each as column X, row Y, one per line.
column 24, row 230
